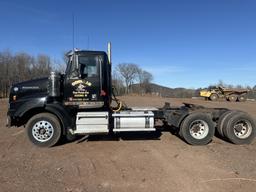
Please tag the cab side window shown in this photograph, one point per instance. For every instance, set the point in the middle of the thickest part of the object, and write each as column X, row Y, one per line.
column 88, row 66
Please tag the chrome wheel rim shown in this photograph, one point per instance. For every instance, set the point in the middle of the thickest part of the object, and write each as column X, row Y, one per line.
column 199, row 129
column 242, row 129
column 42, row 131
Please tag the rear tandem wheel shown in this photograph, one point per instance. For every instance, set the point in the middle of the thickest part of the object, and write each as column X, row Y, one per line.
column 240, row 128
column 242, row 98
column 223, row 121
column 197, row 129
column 232, row 98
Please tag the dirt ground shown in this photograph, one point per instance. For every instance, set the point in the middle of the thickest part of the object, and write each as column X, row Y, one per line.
column 127, row 162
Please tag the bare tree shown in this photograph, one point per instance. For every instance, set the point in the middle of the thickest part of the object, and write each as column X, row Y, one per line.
column 43, row 65
column 20, row 67
column 128, row 71
column 60, row 67
column 118, row 84
column 144, row 78
column 5, row 60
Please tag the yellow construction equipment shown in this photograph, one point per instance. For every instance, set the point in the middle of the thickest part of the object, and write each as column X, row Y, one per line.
column 230, row 94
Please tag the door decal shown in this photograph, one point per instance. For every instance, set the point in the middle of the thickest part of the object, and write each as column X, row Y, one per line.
column 80, row 88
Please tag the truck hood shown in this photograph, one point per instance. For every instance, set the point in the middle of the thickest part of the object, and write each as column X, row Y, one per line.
column 31, row 88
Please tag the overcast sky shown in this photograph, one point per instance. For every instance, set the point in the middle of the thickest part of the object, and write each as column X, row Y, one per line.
column 183, row 43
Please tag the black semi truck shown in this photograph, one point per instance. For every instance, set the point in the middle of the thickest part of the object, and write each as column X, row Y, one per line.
column 80, row 102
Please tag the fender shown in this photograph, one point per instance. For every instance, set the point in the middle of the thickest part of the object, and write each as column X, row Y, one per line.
column 63, row 114
column 40, row 105
column 28, row 105
column 175, row 118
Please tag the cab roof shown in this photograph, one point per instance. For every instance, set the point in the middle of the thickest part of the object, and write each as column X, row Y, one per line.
column 70, row 53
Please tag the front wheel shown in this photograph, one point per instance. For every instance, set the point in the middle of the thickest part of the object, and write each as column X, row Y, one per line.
column 197, row 129
column 44, row 130
column 214, row 97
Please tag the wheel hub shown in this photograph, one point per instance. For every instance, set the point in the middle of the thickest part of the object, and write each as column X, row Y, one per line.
column 239, row 128
column 243, row 129
column 42, row 131
column 199, row 129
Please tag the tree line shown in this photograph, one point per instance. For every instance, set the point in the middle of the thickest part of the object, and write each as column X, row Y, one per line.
column 130, row 78
column 17, row 67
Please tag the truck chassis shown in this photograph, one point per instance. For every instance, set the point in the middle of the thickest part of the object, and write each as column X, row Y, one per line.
column 193, row 123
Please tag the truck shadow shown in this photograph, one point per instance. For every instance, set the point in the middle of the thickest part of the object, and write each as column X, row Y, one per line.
column 127, row 136
column 217, row 135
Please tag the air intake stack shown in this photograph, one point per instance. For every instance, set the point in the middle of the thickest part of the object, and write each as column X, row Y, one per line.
column 109, row 53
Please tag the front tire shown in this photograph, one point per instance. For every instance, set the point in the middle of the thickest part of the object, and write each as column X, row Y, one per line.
column 214, row 97
column 197, row 129
column 44, row 129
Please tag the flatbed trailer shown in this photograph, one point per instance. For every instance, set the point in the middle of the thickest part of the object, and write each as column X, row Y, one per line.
column 79, row 103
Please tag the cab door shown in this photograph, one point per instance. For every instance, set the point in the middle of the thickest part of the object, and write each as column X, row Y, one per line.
column 84, row 82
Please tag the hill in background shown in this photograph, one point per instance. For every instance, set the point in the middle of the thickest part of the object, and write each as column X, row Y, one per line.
column 163, row 91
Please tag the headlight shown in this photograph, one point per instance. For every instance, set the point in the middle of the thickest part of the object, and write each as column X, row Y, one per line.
column 15, row 89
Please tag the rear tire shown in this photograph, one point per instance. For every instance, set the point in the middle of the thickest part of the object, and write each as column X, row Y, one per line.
column 197, row 129
column 232, row 98
column 242, row 98
column 223, row 121
column 214, row 97
column 240, row 129
column 44, row 129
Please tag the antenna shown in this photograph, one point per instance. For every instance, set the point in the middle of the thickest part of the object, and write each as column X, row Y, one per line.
column 88, row 42
column 74, row 57
column 73, row 32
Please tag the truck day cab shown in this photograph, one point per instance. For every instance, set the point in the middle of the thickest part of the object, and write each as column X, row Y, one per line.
column 79, row 102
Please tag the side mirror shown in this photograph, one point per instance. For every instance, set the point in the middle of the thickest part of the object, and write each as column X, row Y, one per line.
column 83, row 73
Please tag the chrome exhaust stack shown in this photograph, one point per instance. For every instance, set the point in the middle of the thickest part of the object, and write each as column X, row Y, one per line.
column 109, row 53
